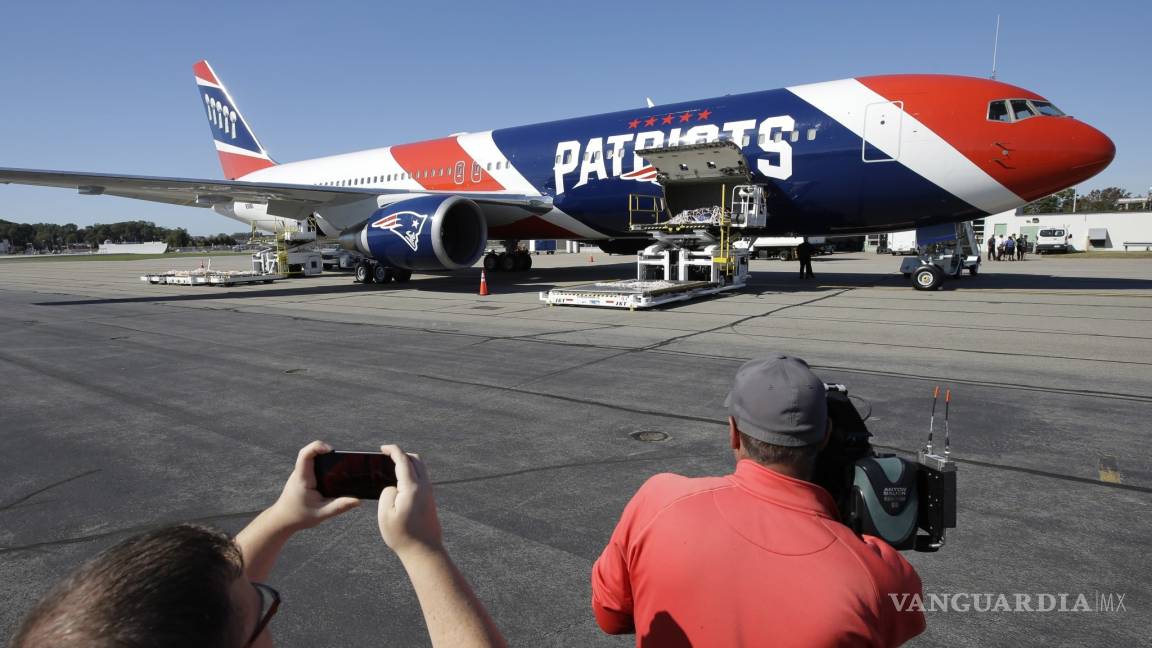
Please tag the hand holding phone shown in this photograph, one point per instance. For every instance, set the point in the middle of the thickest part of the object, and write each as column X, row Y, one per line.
column 407, row 513
column 363, row 475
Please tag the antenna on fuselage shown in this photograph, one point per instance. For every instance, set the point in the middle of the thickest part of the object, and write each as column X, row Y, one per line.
column 649, row 100
column 995, row 46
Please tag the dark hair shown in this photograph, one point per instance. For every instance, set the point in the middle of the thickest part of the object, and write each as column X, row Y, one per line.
column 170, row 587
column 762, row 452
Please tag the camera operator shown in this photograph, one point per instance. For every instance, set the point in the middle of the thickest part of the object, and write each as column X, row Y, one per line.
column 189, row 586
column 757, row 557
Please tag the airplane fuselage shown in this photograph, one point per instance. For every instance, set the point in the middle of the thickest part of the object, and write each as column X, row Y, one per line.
column 851, row 156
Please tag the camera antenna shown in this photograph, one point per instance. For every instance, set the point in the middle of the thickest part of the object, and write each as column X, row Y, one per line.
column 932, row 419
column 947, row 400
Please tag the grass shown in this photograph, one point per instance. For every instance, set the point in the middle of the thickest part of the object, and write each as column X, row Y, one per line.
column 115, row 257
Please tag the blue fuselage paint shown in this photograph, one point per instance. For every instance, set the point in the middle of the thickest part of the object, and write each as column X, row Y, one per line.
column 825, row 187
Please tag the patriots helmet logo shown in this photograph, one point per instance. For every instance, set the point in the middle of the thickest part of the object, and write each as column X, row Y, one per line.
column 405, row 224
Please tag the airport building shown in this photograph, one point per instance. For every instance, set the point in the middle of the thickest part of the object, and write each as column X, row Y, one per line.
column 1119, row 231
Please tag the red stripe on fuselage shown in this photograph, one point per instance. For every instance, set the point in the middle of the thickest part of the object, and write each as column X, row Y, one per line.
column 532, row 227
column 956, row 109
column 204, row 72
column 426, row 161
column 236, row 165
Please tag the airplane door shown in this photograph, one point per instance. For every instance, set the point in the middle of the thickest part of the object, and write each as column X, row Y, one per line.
column 882, row 131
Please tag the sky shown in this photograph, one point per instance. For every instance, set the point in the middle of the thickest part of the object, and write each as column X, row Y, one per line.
column 107, row 87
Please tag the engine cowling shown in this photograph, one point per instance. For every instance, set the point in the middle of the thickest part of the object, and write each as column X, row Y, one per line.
column 425, row 233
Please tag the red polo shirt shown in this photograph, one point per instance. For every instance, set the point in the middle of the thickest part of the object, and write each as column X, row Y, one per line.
column 751, row 559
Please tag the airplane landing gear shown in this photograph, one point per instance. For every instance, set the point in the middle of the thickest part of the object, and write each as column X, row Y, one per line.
column 370, row 271
column 512, row 259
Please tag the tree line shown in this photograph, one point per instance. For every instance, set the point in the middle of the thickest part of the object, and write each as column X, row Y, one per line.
column 1097, row 200
column 51, row 237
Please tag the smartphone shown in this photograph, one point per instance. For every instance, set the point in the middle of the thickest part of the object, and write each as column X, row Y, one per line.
column 354, row 474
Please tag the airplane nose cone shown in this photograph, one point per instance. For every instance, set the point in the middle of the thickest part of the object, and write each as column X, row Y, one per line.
column 1090, row 151
column 1054, row 154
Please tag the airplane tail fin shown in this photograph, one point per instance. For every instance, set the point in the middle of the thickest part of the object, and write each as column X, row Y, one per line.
column 239, row 150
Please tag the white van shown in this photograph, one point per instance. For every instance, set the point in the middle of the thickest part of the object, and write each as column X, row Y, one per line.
column 902, row 243
column 1053, row 239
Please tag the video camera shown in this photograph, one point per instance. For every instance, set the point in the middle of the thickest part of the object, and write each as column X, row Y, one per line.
column 909, row 504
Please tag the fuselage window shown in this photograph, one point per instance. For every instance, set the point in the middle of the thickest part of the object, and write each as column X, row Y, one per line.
column 488, row 166
column 777, row 136
column 795, row 136
column 811, row 134
column 746, row 141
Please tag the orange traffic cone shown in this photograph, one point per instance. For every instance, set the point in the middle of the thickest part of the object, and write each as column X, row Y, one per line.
column 483, row 283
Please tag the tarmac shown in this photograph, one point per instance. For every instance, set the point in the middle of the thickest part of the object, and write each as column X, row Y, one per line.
column 125, row 405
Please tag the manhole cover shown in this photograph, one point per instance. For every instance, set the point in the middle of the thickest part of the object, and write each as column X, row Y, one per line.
column 649, row 436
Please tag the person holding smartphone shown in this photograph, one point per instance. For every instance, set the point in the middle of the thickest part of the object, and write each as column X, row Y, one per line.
column 187, row 585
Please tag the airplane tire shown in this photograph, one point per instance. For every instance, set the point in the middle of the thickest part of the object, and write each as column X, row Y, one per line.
column 927, row 278
column 523, row 262
column 363, row 273
column 973, row 271
column 402, row 276
column 381, row 274
column 508, row 262
column 491, row 263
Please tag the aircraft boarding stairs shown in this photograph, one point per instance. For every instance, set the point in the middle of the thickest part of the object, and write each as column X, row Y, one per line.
column 945, row 251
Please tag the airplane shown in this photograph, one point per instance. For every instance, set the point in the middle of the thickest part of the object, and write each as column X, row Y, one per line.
column 858, row 155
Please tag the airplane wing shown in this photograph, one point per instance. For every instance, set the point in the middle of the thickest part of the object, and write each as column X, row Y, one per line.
column 286, row 200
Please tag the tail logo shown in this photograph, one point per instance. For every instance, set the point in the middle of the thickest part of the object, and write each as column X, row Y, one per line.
column 405, row 224
column 221, row 115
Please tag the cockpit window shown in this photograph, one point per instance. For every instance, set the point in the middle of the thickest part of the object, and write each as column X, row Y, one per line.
column 1021, row 109
column 998, row 111
column 1014, row 110
column 1045, row 108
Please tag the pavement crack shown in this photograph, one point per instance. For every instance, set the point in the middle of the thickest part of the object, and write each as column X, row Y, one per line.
column 14, row 503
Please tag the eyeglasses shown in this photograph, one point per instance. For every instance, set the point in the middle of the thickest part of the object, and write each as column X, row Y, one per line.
column 269, row 603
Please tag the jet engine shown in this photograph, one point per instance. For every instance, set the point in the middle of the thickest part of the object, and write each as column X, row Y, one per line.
column 424, row 233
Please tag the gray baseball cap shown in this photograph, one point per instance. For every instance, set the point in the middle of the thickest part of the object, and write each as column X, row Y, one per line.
column 778, row 400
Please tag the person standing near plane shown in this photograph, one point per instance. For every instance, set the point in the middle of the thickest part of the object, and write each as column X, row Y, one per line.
column 757, row 557
column 1010, row 247
column 804, row 253
column 991, row 248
